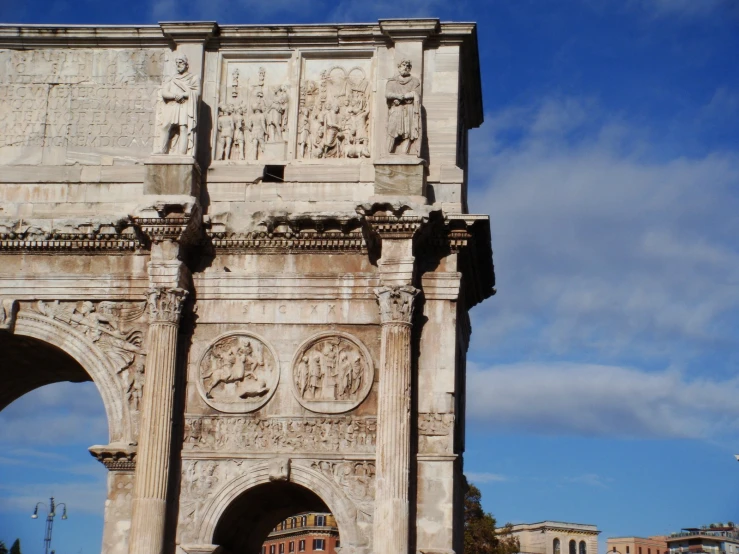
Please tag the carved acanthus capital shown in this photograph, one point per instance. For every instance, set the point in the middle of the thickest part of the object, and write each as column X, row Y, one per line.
column 165, row 304
column 8, row 311
column 396, row 303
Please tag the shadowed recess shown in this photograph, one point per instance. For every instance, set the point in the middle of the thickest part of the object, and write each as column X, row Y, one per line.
column 28, row 364
column 245, row 524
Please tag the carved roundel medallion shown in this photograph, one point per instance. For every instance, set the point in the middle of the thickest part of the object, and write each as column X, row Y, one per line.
column 332, row 373
column 238, row 373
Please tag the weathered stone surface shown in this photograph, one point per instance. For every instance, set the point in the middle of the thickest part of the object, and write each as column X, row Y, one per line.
column 244, row 300
column 401, row 176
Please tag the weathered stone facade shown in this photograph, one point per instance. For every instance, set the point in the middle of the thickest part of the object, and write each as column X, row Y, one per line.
column 256, row 242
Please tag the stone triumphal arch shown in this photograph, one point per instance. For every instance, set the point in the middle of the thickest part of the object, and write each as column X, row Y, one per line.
column 255, row 242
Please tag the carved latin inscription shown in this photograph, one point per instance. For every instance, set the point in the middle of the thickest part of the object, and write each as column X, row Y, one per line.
column 332, row 373
column 238, row 373
column 77, row 105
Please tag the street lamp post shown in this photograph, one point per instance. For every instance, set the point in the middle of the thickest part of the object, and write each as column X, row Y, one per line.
column 49, row 520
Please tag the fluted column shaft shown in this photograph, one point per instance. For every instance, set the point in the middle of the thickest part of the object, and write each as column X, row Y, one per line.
column 155, row 435
column 391, row 523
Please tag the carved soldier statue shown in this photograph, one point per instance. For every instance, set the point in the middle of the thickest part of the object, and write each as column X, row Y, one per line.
column 404, row 110
column 177, row 109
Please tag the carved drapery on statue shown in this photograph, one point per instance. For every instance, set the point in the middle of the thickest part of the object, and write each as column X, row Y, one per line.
column 238, row 373
column 178, row 103
column 332, row 373
column 403, row 94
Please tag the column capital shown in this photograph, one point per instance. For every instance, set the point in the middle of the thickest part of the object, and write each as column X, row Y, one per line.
column 165, row 304
column 396, row 303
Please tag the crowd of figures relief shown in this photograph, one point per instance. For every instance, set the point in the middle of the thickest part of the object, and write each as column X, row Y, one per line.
column 254, row 120
column 333, row 369
column 278, row 434
column 334, row 115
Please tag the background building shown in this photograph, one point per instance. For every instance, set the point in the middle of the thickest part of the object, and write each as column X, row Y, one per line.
column 307, row 532
column 637, row 545
column 555, row 537
column 716, row 538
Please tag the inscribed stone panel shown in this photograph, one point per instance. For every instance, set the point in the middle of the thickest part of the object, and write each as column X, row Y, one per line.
column 78, row 105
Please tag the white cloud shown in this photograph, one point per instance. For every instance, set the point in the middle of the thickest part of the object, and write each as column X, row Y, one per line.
column 591, row 480
column 599, row 400
column 62, row 413
column 485, row 477
column 602, row 242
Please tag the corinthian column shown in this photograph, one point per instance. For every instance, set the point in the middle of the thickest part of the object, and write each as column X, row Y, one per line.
column 153, row 457
column 394, row 421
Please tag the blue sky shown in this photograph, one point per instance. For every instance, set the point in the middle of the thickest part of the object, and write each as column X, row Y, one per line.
column 603, row 383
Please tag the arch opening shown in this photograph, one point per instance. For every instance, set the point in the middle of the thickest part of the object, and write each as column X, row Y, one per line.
column 30, row 363
column 267, row 511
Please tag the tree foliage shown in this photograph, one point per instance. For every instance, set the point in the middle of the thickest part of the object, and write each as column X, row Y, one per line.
column 480, row 535
column 16, row 548
column 3, row 548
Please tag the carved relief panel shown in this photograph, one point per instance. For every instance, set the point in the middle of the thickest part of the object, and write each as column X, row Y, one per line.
column 280, row 434
column 334, row 111
column 118, row 329
column 332, row 373
column 238, row 373
column 253, row 119
column 201, row 480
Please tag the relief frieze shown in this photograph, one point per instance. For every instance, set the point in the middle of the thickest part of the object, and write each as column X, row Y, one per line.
column 280, row 434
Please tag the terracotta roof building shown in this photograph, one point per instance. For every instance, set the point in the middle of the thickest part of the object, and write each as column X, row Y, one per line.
column 308, row 532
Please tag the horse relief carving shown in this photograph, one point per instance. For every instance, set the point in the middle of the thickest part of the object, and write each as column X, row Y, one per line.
column 238, row 373
column 332, row 373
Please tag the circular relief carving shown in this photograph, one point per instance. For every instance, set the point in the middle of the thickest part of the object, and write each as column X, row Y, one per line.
column 238, row 373
column 332, row 373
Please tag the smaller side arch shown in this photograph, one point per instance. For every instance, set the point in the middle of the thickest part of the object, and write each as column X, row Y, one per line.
column 329, row 492
column 93, row 361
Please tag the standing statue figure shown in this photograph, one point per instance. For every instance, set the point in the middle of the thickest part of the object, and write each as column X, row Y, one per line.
column 277, row 115
column 177, row 110
column 225, row 133
column 404, row 110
